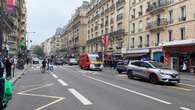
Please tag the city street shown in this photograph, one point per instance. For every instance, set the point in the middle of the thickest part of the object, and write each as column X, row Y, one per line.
column 70, row 88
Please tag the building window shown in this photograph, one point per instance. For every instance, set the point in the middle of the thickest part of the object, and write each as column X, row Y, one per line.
column 140, row 26
column 133, row 28
column 141, row 11
column 183, row 13
column 140, row 42
column 133, row 42
column 183, row 33
column 119, row 26
column 171, row 17
column 134, row 13
column 158, row 39
column 170, row 35
column 111, row 28
column 147, row 40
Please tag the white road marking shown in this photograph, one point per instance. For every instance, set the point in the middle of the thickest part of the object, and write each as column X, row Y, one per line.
column 58, row 99
column 62, row 82
column 131, row 91
column 43, row 107
column 54, row 76
column 80, row 97
column 184, row 108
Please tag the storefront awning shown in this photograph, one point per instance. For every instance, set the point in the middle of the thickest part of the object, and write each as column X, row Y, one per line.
column 178, row 42
column 138, row 51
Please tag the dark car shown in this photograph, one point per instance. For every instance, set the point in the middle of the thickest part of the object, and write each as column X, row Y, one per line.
column 121, row 67
column 58, row 61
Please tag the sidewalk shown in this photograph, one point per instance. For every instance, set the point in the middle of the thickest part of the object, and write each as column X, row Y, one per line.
column 18, row 74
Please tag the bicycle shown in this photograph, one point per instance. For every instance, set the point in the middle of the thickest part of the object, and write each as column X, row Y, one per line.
column 43, row 69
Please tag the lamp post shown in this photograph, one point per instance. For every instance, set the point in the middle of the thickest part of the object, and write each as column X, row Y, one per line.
column 27, row 39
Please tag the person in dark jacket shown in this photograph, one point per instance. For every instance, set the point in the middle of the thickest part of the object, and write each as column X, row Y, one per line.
column 8, row 66
column 1, row 68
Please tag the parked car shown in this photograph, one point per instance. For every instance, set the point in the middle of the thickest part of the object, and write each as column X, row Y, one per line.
column 153, row 71
column 72, row 61
column 36, row 61
column 122, row 67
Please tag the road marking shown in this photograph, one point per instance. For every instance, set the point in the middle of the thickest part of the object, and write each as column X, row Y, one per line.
column 58, row 99
column 80, row 97
column 179, row 88
column 184, row 108
column 54, row 76
column 54, row 102
column 62, row 82
column 128, row 90
column 187, row 85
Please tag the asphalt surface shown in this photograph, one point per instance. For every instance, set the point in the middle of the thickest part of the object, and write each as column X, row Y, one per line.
column 70, row 88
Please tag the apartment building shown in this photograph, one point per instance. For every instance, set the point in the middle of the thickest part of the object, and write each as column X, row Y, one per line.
column 163, row 30
column 75, row 33
column 107, row 18
column 13, row 25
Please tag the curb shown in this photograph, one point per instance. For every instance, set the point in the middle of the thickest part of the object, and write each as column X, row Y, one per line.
column 15, row 79
column 187, row 86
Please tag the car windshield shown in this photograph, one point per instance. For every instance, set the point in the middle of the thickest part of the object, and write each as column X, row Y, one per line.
column 159, row 65
column 73, row 60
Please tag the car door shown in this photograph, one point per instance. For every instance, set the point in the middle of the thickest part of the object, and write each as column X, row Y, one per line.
column 144, row 69
column 136, row 68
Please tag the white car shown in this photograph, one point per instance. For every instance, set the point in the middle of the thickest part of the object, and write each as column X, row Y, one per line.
column 153, row 71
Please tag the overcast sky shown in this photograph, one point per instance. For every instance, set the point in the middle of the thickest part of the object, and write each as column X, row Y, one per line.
column 44, row 16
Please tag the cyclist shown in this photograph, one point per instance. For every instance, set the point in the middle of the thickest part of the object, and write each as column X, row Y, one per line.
column 44, row 63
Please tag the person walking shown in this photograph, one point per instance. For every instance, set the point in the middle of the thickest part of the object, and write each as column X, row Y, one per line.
column 8, row 66
column 1, row 68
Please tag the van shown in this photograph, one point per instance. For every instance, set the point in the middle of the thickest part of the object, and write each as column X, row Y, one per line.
column 90, row 61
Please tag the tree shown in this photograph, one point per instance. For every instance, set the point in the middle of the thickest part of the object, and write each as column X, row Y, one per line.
column 38, row 50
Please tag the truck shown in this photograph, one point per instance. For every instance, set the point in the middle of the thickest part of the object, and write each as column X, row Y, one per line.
column 90, row 61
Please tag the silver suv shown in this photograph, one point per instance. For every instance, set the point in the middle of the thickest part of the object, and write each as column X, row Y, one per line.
column 153, row 71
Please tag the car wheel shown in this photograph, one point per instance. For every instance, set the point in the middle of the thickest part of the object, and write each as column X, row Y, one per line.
column 130, row 74
column 153, row 79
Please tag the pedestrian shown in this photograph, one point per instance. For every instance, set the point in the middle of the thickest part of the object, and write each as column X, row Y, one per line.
column 1, row 68
column 14, row 62
column 8, row 66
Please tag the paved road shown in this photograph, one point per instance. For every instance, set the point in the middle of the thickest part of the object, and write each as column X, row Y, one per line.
column 69, row 88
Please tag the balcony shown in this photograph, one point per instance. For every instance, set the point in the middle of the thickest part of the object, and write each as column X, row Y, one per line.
column 120, row 3
column 182, row 19
column 119, row 17
column 157, row 6
column 157, row 25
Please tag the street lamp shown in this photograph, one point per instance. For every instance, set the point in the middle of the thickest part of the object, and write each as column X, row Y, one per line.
column 27, row 39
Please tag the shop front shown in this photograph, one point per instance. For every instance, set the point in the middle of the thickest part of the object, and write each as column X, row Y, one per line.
column 137, row 54
column 180, row 57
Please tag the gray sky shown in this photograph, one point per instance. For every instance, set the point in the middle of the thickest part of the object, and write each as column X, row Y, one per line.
column 44, row 16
